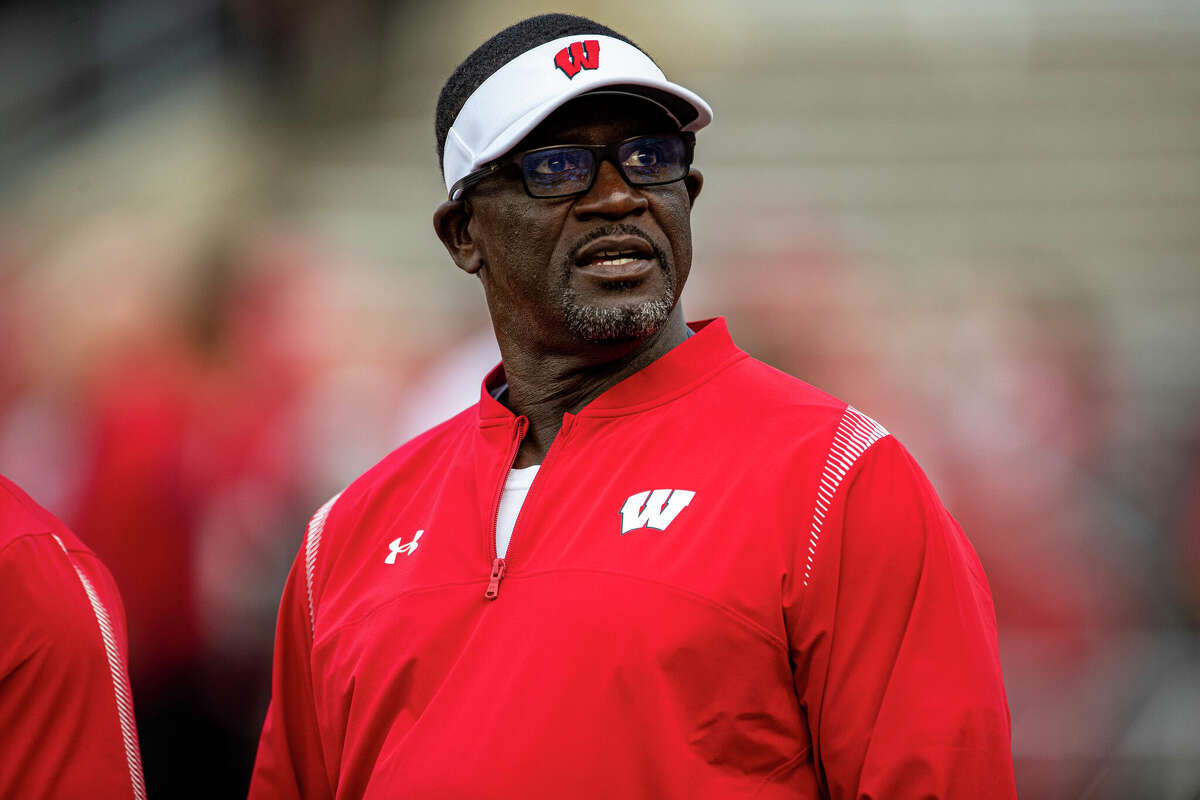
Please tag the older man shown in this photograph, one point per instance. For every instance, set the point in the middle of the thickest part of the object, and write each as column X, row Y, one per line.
column 645, row 565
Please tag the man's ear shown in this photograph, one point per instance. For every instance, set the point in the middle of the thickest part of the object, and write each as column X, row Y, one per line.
column 452, row 221
column 694, row 183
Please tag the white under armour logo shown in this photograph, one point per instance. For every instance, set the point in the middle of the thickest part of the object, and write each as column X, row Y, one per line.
column 398, row 548
column 656, row 509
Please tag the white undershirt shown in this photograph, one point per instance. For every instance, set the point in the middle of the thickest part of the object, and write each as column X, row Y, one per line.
column 516, row 486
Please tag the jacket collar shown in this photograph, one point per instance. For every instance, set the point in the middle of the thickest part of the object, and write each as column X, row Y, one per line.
column 681, row 369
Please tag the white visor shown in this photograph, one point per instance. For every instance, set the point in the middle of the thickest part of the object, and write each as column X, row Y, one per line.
column 517, row 97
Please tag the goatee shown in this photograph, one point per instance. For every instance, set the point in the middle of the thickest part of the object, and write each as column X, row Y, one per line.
column 615, row 323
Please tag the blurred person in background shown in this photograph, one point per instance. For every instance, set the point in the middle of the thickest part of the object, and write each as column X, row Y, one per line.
column 134, row 500
column 267, row 331
column 67, row 728
column 509, row 604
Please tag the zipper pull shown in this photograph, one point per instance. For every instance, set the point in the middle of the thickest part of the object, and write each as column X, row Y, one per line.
column 494, row 583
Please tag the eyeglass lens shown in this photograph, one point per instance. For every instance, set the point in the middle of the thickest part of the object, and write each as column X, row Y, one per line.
column 645, row 161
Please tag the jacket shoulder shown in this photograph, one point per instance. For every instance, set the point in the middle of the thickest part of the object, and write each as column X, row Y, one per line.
column 768, row 402
column 763, row 384
column 20, row 515
column 45, row 605
column 45, row 584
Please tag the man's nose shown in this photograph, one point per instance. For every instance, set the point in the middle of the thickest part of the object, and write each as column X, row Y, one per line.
column 610, row 196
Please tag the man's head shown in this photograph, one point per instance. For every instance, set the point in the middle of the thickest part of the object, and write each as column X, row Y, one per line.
column 590, row 243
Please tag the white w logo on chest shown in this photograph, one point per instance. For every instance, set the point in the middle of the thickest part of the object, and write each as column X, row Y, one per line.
column 656, row 509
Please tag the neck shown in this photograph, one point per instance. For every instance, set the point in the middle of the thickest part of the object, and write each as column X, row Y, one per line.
column 543, row 386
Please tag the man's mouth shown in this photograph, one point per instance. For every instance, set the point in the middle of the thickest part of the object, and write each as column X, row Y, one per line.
column 617, row 256
column 613, row 258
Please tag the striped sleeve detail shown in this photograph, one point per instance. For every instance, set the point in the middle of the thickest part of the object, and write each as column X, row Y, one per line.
column 120, row 680
column 312, row 543
column 856, row 432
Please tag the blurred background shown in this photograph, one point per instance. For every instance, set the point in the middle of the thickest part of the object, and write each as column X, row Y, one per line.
column 977, row 222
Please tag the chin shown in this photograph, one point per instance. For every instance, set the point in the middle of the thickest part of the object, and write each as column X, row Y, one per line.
column 616, row 323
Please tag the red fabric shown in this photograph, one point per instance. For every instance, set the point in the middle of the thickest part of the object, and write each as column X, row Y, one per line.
column 686, row 662
column 138, row 511
column 60, row 732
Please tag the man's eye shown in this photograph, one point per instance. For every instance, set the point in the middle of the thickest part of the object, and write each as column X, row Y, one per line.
column 555, row 164
column 644, row 157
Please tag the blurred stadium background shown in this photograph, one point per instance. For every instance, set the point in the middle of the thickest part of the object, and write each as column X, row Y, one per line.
column 978, row 222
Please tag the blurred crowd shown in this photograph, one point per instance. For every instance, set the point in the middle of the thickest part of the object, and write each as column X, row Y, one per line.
column 184, row 396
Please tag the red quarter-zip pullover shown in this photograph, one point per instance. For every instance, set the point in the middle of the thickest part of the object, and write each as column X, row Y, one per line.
column 723, row 583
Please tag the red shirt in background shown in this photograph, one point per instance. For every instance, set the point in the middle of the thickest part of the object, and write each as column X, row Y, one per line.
column 66, row 717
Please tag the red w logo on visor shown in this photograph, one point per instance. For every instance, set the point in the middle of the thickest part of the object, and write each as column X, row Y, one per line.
column 578, row 55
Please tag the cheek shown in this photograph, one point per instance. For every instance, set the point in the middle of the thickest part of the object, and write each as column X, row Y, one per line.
column 676, row 220
column 525, row 235
column 492, row 231
column 519, row 246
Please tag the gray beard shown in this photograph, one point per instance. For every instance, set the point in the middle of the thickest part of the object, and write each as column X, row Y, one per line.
column 617, row 323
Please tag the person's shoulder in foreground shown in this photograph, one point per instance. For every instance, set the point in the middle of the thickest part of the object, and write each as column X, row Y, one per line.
column 644, row 565
column 66, row 717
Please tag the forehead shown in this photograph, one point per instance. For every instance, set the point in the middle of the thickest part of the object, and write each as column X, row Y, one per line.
column 599, row 118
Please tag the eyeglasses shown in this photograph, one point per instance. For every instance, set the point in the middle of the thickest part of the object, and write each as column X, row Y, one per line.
column 565, row 170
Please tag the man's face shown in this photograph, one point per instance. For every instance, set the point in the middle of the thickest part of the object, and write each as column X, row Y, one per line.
column 604, row 266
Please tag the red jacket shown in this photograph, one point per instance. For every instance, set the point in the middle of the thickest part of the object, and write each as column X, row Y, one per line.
column 66, row 718
column 723, row 583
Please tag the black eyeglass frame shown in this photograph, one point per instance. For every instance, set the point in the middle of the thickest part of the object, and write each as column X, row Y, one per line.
column 600, row 152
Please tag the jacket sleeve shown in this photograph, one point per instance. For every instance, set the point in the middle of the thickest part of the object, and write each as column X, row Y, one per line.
column 66, row 718
column 290, row 762
column 897, row 664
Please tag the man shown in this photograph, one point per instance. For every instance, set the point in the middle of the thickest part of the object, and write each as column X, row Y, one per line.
column 66, row 719
column 645, row 565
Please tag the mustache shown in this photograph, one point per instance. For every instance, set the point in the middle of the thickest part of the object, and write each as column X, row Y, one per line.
column 626, row 228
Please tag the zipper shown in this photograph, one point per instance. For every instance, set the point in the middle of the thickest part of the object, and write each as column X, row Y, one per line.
column 558, row 443
column 493, row 587
column 499, row 565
